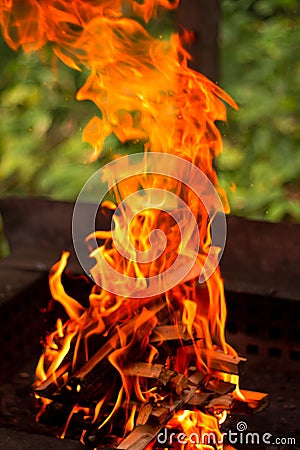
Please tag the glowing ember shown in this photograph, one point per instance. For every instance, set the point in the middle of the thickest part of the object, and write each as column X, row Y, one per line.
column 121, row 360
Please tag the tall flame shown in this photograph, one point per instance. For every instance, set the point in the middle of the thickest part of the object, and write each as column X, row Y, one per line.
column 145, row 93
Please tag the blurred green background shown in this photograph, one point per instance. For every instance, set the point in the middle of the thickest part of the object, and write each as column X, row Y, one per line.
column 260, row 68
column 41, row 122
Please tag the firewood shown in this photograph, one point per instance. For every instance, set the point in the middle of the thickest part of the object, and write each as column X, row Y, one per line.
column 52, row 386
column 144, row 414
column 143, row 370
column 158, row 372
column 166, row 375
column 160, row 414
column 179, row 383
column 215, row 360
column 222, row 362
column 218, row 386
column 113, row 342
column 198, row 400
column 222, row 402
column 196, row 378
column 253, row 402
column 80, row 390
column 170, row 333
column 142, row 435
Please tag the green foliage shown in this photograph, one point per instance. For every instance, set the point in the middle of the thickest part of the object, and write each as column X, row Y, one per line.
column 40, row 126
column 260, row 44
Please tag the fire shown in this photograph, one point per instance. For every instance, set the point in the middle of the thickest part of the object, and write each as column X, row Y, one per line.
column 197, row 427
column 146, row 95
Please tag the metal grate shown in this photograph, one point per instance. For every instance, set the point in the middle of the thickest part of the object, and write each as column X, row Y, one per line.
column 264, row 327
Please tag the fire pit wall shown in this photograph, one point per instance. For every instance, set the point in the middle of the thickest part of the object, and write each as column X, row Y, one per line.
column 261, row 273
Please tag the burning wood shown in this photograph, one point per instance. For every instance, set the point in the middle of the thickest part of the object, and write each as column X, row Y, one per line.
column 141, row 436
column 149, row 350
column 170, row 333
column 170, row 392
column 250, row 402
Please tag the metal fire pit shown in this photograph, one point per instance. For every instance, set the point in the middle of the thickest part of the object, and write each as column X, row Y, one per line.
column 261, row 271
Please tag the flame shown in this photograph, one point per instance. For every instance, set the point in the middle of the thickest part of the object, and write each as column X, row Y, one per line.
column 145, row 93
column 200, row 430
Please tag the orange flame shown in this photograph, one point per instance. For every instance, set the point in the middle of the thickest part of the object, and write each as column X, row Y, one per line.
column 145, row 92
column 200, row 431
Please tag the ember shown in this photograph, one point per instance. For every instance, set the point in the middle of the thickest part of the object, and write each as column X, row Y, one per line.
column 136, row 360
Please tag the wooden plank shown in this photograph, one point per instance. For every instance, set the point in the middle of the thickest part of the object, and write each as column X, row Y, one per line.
column 179, row 383
column 219, row 386
column 166, row 375
column 196, row 378
column 252, row 403
column 144, row 414
column 141, row 369
column 142, row 435
column 225, row 363
column 216, row 359
column 222, row 402
column 198, row 400
column 52, row 386
column 170, row 333
column 160, row 414
column 113, row 342
column 158, row 372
